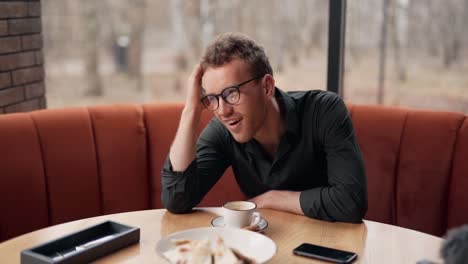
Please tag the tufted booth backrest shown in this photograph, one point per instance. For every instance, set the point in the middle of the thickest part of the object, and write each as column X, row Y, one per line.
column 416, row 164
column 66, row 164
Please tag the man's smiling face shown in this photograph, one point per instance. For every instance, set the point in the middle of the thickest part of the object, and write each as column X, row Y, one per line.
column 246, row 117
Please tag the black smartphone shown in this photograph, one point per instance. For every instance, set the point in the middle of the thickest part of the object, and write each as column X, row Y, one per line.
column 325, row 253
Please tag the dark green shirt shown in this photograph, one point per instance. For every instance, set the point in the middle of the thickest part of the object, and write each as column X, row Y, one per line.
column 318, row 155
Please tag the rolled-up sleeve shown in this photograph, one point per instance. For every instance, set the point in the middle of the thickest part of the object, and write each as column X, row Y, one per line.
column 182, row 190
column 176, row 185
column 345, row 197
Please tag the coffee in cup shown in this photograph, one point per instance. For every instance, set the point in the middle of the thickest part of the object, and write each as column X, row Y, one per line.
column 240, row 214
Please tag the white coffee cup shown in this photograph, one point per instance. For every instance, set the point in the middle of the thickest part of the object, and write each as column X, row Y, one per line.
column 240, row 214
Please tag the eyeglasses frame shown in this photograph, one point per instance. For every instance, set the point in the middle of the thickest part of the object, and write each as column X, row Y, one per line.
column 237, row 87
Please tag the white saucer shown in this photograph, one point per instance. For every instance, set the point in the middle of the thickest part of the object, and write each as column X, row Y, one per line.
column 219, row 222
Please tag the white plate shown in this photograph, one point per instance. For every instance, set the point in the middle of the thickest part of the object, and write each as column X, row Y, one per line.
column 253, row 245
column 219, row 222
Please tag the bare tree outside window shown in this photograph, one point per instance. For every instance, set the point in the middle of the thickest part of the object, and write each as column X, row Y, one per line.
column 423, row 51
column 120, row 51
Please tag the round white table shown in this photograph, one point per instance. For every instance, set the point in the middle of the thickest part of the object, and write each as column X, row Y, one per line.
column 373, row 242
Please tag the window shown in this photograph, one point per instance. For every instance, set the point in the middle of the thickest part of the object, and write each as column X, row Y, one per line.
column 407, row 53
column 99, row 52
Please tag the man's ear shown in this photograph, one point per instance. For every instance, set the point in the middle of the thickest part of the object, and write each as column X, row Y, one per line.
column 269, row 85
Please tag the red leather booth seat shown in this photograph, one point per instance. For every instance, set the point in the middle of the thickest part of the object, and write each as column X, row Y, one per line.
column 66, row 164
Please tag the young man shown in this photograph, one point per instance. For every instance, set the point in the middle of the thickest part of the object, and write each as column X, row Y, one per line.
column 294, row 151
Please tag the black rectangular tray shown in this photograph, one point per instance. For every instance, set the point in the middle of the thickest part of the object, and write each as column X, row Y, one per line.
column 83, row 246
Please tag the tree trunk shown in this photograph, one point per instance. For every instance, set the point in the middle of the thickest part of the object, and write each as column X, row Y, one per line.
column 92, row 54
column 383, row 53
column 432, row 36
column 394, row 27
column 465, row 23
column 279, row 24
column 207, row 23
column 180, row 40
column 136, row 42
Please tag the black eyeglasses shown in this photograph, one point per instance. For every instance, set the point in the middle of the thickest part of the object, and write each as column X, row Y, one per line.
column 230, row 95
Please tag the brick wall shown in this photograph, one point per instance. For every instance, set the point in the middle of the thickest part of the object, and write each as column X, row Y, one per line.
column 22, row 86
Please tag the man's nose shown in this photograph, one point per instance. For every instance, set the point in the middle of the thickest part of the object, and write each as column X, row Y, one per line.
column 224, row 109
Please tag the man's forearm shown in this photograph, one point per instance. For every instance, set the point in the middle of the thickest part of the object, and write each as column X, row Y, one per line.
column 182, row 151
column 289, row 201
column 335, row 203
column 280, row 200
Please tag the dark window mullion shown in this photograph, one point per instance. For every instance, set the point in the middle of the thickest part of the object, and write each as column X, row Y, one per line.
column 336, row 42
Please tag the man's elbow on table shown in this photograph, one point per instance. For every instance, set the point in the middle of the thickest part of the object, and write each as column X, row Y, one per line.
column 357, row 214
column 352, row 212
column 346, row 206
column 176, row 206
column 357, row 207
column 334, row 204
column 351, row 201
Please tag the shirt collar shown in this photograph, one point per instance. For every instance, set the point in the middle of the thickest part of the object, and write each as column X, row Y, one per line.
column 292, row 131
column 288, row 105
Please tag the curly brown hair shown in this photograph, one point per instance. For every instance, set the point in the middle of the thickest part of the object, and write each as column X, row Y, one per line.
column 229, row 46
